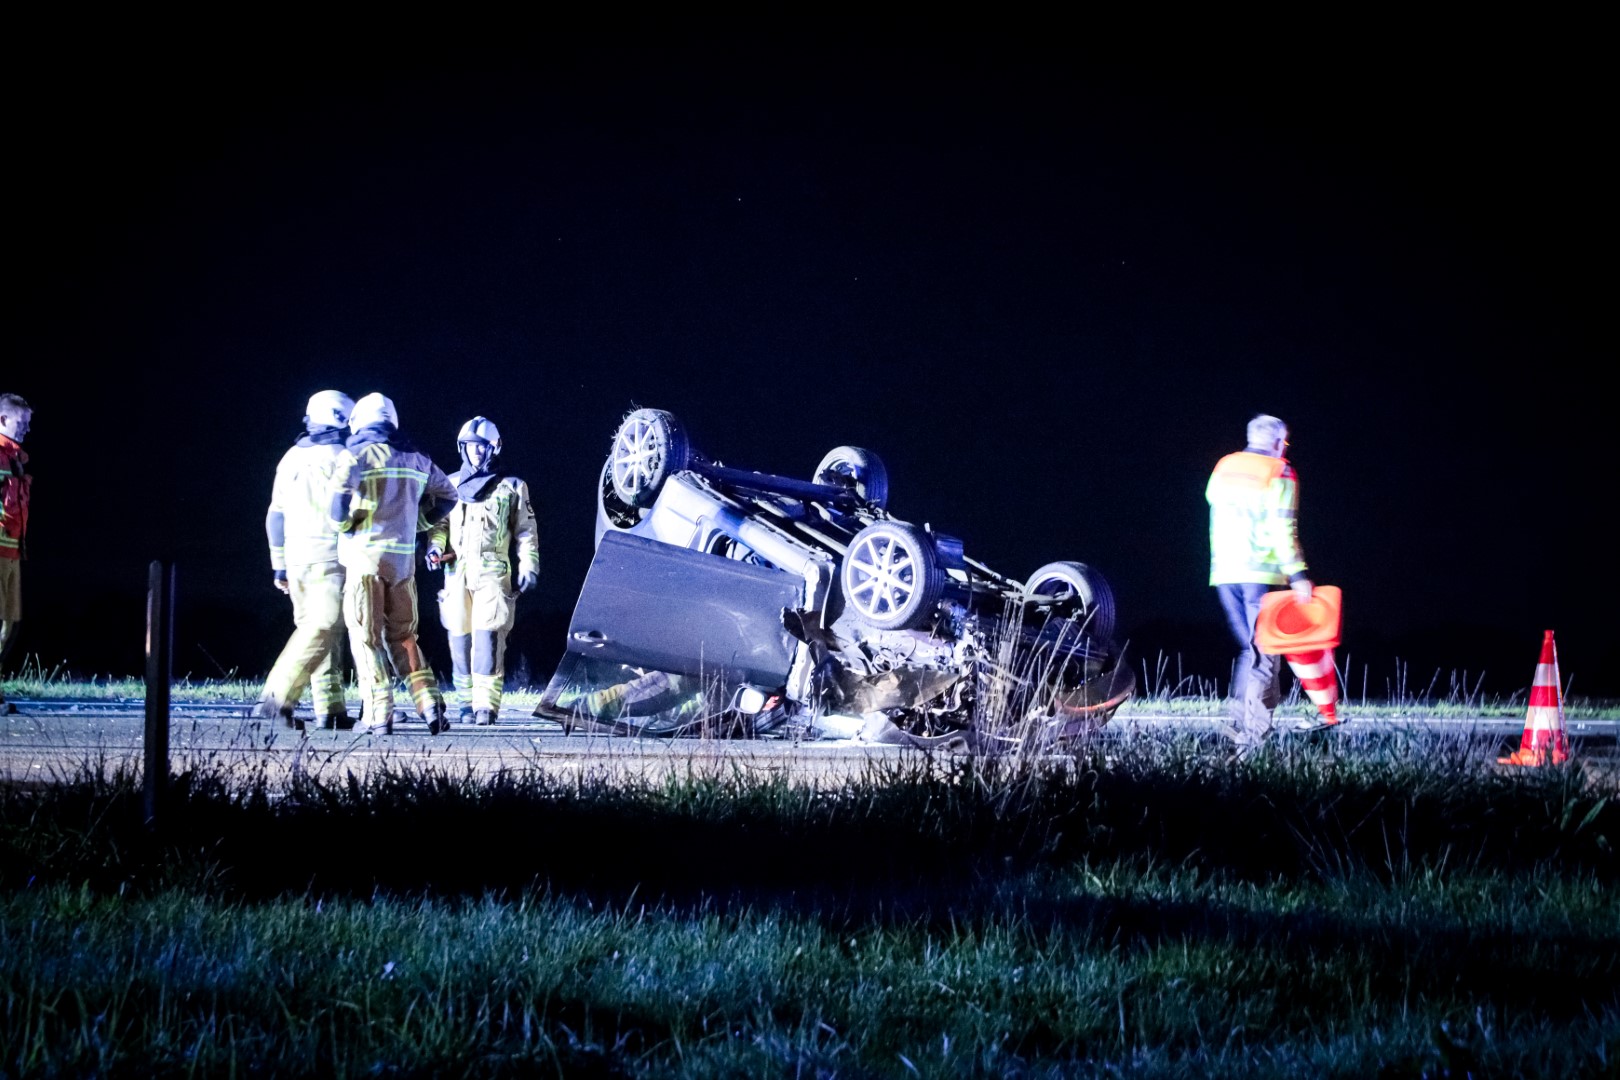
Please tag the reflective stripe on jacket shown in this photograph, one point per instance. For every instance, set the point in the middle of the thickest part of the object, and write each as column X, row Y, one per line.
column 15, row 486
column 1253, row 505
column 481, row 533
column 302, row 495
column 386, row 487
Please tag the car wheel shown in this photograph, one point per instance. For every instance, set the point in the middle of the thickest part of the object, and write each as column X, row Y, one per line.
column 613, row 514
column 891, row 578
column 853, row 467
column 1075, row 591
column 649, row 447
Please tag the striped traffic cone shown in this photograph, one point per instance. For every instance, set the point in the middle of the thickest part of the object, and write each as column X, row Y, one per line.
column 1544, row 741
column 1305, row 633
column 1320, row 681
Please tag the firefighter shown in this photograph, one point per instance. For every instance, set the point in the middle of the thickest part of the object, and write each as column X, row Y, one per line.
column 304, row 565
column 474, row 546
column 1253, row 500
column 384, row 491
column 15, row 484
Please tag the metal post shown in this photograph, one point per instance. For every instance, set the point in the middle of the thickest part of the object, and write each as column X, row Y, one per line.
column 159, row 676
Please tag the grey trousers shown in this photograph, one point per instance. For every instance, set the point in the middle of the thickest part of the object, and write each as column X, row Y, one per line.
column 1256, row 677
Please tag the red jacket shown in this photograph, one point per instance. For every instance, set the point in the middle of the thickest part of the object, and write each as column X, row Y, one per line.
column 14, row 485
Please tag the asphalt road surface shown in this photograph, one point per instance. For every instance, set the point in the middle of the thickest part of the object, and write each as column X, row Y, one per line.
column 48, row 742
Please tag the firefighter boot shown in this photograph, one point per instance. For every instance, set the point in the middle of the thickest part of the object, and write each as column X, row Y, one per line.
column 340, row 721
column 483, row 717
column 438, row 723
column 268, row 708
column 377, row 720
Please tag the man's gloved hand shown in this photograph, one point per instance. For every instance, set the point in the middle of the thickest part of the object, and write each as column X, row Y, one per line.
column 1302, row 590
column 527, row 580
column 434, row 558
column 281, row 581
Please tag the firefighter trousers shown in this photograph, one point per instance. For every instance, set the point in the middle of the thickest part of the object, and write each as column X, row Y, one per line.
column 381, row 615
column 313, row 655
column 477, row 615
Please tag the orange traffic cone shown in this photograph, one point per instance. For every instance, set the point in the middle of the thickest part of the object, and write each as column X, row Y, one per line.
column 1544, row 741
column 1305, row 633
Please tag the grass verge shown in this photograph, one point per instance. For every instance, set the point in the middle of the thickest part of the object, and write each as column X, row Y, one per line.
column 1171, row 911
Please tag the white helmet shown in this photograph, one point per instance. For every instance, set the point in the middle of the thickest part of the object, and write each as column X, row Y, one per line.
column 481, row 429
column 328, row 408
column 373, row 409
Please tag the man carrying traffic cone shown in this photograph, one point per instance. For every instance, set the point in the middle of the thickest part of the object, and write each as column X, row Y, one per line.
column 1253, row 498
column 1544, row 741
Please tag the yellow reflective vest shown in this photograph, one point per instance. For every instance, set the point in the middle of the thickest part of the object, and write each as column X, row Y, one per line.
column 302, row 495
column 481, row 534
column 387, row 486
column 1253, row 507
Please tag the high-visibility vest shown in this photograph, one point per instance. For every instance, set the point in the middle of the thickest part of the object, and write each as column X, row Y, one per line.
column 302, row 495
column 387, row 486
column 481, row 534
column 1253, row 503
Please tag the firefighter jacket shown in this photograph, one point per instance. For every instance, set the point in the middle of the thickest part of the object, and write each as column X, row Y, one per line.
column 481, row 530
column 15, row 484
column 1253, row 504
column 299, row 523
column 386, row 483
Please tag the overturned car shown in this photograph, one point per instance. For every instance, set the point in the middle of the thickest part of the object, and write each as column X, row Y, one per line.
column 723, row 601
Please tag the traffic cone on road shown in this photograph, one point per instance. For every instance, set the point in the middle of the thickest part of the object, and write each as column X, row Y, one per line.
column 1544, row 741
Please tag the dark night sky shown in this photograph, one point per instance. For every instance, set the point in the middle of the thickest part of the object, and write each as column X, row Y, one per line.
column 1048, row 285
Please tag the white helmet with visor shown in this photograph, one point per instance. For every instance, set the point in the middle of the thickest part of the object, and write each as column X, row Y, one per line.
column 373, row 409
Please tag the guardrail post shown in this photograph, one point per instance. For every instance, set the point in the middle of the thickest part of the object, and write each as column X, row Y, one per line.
column 159, row 677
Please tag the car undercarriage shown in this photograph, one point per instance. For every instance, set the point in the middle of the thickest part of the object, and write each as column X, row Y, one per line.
column 724, row 602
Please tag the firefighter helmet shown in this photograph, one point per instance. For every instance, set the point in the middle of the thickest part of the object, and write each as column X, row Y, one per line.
column 328, row 409
column 480, row 429
column 371, row 410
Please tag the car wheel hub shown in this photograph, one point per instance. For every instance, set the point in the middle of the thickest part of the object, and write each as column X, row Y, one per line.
column 637, row 456
column 884, row 576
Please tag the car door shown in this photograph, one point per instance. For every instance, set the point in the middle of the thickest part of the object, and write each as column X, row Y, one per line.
column 653, row 605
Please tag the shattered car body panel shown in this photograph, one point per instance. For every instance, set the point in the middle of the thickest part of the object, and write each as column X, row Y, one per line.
column 722, row 599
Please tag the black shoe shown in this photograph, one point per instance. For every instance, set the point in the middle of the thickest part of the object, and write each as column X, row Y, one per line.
column 439, row 723
column 336, row 722
column 483, row 717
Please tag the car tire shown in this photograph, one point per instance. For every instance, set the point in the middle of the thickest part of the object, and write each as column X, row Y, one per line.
column 1075, row 591
column 853, row 467
column 890, row 578
column 649, row 447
